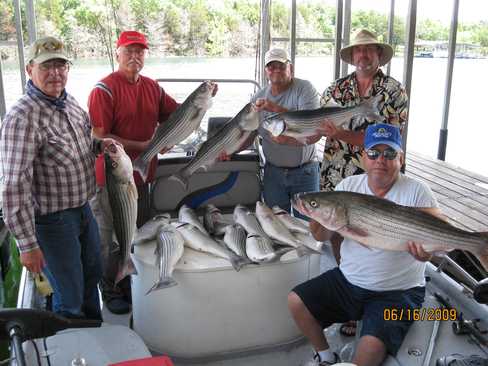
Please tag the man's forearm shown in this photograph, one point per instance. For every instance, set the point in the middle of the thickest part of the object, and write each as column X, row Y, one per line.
column 351, row 137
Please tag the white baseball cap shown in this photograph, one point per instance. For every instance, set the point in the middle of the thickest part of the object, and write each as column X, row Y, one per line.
column 276, row 54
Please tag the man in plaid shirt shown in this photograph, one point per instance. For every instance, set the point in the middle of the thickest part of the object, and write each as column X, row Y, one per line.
column 47, row 159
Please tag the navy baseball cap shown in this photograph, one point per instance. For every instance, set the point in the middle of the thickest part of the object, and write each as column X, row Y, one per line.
column 383, row 134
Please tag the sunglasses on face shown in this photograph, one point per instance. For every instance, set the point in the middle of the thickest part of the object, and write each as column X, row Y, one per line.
column 388, row 154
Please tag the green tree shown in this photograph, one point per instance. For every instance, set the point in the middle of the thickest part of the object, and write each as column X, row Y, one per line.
column 199, row 19
column 7, row 22
column 144, row 13
column 102, row 21
column 432, row 30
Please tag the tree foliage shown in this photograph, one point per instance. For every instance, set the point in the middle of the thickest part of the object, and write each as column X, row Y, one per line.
column 207, row 27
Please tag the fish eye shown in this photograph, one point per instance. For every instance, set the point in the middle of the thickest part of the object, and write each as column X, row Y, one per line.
column 314, row 203
column 114, row 164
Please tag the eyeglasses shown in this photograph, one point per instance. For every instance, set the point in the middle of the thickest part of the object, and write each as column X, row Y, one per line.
column 388, row 154
column 133, row 51
column 276, row 65
column 61, row 66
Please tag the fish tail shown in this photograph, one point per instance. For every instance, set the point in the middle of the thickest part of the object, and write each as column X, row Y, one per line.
column 180, row 178
column 237, row 262
column 165, row 282
column 141, row 166
column 126, row 269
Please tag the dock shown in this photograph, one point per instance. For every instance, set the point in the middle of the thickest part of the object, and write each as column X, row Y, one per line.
column 462, row 195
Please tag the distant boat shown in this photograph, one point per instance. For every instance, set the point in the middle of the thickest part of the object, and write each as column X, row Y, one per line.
column 425, row 54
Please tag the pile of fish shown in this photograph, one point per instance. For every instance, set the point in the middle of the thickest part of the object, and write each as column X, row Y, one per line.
column 248, row 238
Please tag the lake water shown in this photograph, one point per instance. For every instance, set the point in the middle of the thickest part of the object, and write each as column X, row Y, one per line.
column 468, row 122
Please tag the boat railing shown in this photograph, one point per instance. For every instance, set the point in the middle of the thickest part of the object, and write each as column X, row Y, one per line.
column 449, row 266
column 197, row 80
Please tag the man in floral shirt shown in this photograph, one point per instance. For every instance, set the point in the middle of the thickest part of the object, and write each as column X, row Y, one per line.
column 343, row 146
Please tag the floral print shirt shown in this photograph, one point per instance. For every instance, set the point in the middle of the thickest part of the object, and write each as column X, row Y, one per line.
column 340, row 158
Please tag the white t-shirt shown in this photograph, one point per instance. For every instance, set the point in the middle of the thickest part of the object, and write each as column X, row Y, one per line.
column 381, row 270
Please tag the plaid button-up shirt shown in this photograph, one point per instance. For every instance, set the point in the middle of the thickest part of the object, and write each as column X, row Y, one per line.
column 47, row 163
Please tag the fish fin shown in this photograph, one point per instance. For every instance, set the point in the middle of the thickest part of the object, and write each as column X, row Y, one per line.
column 163, row 283
column 237, row 262
column 302, row 250
column 356, row 231
column 141, row 167
column 180, row 178
column 133, row 190
column 125, row 270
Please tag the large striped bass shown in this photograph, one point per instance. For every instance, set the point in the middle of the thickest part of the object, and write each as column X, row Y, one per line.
column 382, row 224
column 305, row 123
column 229, row 139
column 179, row 126
column 122, row 196
column 169, row 249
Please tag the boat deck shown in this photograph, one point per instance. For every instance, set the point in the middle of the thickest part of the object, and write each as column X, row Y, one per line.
column 462, row 195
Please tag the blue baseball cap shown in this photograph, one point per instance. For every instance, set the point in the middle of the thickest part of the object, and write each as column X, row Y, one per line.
column 383, row 134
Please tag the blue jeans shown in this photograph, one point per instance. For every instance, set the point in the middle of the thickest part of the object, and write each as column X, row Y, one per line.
column 281, row 184
column 70, row 242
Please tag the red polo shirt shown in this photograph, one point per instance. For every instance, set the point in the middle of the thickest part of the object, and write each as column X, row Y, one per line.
column 130, row 111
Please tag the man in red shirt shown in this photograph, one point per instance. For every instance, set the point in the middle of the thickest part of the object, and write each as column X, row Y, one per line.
column 127, row 107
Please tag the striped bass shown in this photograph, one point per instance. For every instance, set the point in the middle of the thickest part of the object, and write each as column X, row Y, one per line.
column 259, row 249
column 149, row 230
column 274, row 227
column 188, row 215
column 228, row 140
column 235, row 239
column 201, row 242
column 169, row 249
column 180, row 124
column 382, row 224
column 305, row 123
column 294, row 224
column 250, row 223
column 214, row 222
column 122, row 196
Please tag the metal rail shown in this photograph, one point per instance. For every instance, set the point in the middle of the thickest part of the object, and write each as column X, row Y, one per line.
column 195, row 80
column 441, row 152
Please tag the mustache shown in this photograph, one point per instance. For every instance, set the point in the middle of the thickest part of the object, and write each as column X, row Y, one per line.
column 135, row 61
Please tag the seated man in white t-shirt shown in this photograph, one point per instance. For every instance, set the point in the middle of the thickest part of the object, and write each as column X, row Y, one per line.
column 368, row 280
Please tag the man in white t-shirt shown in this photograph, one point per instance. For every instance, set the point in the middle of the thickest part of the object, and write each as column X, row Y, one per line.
column 368, row 280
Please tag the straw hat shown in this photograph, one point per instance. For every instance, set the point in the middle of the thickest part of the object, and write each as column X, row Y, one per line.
column 365, row 37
